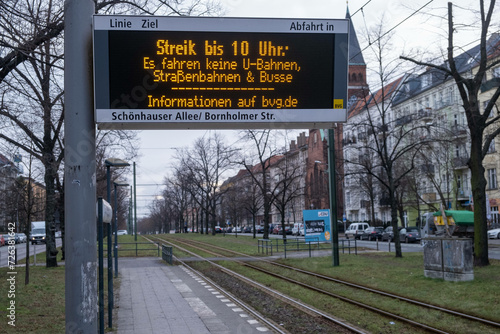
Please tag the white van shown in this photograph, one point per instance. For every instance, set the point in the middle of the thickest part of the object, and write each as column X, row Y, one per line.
column 355, row 230
column 298, row 229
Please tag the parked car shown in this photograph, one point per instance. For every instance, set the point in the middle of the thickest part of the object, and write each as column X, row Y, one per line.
column 494, row 234
column 277, row 229
column 355, row 230
column 288, row 230
column 247, row 229
column 121, row 232
column 21, row 237
column 298, row 229
column 218, row 229
column 259, row 228
column 271, row 228
column 237, row 229
column 372, row 233
column 409, row 234
column 388, row 234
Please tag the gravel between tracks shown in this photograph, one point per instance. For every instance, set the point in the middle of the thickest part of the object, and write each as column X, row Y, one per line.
column 290, row 318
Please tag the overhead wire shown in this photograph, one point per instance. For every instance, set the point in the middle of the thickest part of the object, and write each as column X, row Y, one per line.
column 388, row 31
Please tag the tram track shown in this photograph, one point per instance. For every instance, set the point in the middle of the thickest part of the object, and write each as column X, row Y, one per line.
column 291, row 301
column 365, row 288
column 482, row 321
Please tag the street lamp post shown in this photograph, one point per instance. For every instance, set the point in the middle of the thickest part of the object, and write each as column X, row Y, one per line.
column 333, row 197
column 115, row 224
column 117, row 163
column 135, row 207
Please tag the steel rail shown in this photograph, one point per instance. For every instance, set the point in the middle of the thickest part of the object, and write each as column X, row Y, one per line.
column 267, row 289
column 365, row 288
column 226, row 293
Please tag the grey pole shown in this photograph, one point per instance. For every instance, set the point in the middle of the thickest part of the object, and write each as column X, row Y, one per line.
column 333, row 197
column 115, row 225
column 79, row 168
column 110, row 253
column 101, row 265
column 135, row 206
column 115, row 228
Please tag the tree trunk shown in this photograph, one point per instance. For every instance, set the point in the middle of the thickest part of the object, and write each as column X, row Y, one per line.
column 50, row 208
column 478, row 183
column 266, row 219
column 394, row 217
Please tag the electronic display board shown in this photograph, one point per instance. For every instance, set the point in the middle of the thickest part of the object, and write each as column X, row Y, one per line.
column 219, row 73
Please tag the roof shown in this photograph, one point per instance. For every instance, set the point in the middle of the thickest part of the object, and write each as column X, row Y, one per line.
column 4, row 160
column 355, row 54
column 464, row 62
column 385, row 93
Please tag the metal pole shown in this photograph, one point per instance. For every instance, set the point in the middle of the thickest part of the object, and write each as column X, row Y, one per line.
column 130, row 211
column 115, row 228
column 101, row 267
column 110, row 253
column 135, row 207
column 79, row 167
column 333, row 197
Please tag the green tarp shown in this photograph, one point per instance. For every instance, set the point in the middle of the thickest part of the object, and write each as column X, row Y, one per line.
column 461, row 217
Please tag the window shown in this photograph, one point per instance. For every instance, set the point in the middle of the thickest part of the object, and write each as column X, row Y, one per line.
column 457, row 151
column 496, row 72
column 492, row 178
column 491, row 149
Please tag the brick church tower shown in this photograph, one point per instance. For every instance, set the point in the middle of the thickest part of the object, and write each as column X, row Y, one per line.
column 316, row 173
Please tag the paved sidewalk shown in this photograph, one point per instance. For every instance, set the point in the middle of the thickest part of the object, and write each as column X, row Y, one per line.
column 156, row 298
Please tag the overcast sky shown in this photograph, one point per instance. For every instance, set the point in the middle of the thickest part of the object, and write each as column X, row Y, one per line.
column 416, row 32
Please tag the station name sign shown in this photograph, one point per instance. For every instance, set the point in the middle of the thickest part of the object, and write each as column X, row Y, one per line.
column 219, row 73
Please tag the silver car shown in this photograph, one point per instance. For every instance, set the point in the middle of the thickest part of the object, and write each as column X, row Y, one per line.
column 494, row 234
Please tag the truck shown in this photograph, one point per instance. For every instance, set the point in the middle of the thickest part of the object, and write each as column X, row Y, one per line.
column 37, row 234
column 460, row 223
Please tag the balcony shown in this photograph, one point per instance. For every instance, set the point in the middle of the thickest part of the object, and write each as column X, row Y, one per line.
column 427, row 168
column 459, row 130
column 349, row 141
column 463, row 194
column 425, row 114
column 385, row 201
column 403, row 120
column 365, row 204
column 460, row 163
column 429, row 197
column 490, row 84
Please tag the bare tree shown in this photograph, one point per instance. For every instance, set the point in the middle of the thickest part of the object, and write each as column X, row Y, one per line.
column 264, row 153
column 389, row 143
column 203, row 166
column 287, row 175
column 483, row 128
column 31, row 70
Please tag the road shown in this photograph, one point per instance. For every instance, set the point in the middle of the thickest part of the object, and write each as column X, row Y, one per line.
column 21, row 251
column 493, row 244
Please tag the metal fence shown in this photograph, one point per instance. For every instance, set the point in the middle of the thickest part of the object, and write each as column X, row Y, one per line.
column 139, row 246
column 167, row 254
column 269, row 246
